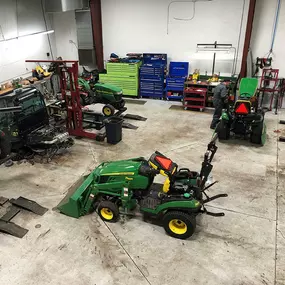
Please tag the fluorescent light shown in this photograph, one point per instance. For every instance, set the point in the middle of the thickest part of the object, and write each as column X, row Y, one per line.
column 33, row 34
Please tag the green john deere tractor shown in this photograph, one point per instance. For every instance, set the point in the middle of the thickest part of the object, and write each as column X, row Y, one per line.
column 107, row 94
column 245, row 118
column 120, row 186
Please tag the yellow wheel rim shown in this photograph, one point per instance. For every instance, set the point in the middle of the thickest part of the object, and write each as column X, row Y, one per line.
column 178, row 227
column 106, row 213
column 107, row 111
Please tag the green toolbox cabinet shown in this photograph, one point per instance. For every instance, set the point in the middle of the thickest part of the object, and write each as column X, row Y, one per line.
column 123, row 69
column 123, row 75
column 130, row 85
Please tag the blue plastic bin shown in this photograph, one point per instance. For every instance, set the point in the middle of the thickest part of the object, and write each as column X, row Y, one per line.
column 178, row 69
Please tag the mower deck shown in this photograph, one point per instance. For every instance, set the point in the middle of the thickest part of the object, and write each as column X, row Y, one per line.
column 96, row 119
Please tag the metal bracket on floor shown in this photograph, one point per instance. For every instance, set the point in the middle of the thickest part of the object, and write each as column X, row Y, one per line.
column 29, row 205
column 17, row 204
column 12, row 229
column 3, row 200
column 133, row 117
column 129, row 126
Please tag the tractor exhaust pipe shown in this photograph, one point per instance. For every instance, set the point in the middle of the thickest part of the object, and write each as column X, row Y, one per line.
column 58, row 139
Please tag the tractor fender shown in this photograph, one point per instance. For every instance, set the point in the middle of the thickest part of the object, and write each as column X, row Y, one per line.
column 187, row 206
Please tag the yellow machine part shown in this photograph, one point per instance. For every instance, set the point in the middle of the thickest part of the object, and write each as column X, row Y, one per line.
column 40, row 70
column 166, row 184
column 178, row 227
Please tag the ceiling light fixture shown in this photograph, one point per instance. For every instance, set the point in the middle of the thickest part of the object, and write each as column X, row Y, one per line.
column 214, row 48
column 29, row 35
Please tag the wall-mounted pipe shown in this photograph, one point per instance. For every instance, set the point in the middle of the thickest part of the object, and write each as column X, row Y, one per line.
column 275, row 25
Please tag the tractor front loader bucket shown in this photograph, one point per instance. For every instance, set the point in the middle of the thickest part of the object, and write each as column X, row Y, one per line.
column 77, row 201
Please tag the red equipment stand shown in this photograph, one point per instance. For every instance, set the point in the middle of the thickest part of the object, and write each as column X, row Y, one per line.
column 195, row 98
column 68, row 73
column 269, row 84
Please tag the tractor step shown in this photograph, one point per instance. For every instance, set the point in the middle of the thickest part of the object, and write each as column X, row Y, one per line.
column 29, row 205
column 134, row 117
column 12, row 229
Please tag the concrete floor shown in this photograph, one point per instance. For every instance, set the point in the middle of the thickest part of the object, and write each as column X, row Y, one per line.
column 247, row 246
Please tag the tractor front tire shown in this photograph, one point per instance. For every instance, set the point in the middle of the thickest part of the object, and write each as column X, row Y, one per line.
column 108, row 211
column 223, row 130
column 257, row 133
column 5, row 145
column 108, row 110
column 179, row 224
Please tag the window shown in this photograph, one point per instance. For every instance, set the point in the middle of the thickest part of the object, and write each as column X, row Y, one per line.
column 31, row 105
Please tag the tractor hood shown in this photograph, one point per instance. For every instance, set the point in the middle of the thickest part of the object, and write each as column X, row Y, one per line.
column 108, row 88
column 122, row 167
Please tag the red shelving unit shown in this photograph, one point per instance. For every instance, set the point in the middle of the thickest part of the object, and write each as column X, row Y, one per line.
column 194, row 98
column 269, row 84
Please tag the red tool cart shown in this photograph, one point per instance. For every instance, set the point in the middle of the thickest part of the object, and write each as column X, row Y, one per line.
column 195, row 98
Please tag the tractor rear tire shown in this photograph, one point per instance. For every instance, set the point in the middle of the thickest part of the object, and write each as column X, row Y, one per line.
column 179, row 224
column 108, row 110
column 108, row 211
column 223, row 130
column 256, row 135
column 5, row 145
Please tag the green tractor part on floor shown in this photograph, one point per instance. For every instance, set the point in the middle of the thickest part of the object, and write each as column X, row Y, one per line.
column 102, row 93
column 120, row 186
column 245, row 118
